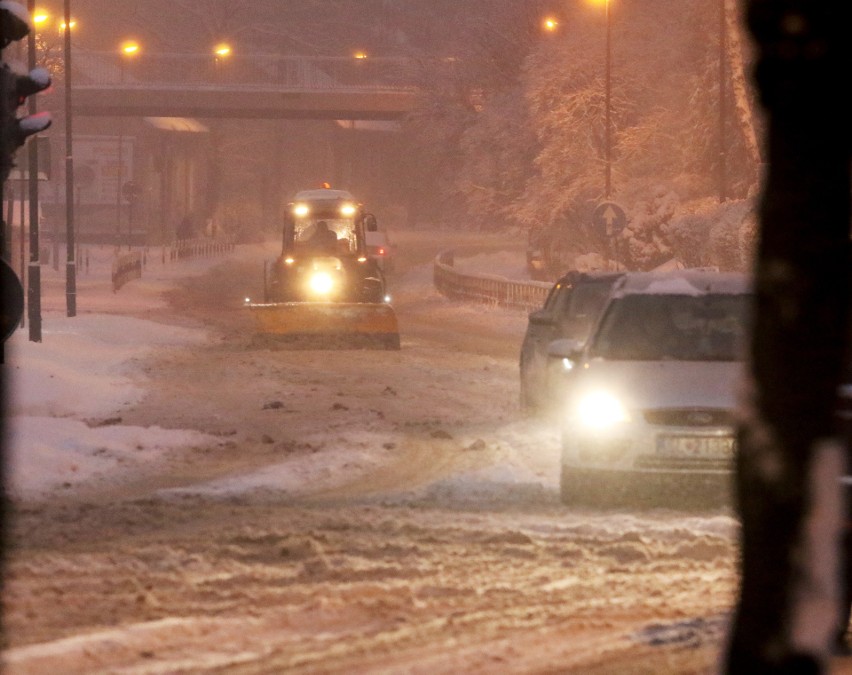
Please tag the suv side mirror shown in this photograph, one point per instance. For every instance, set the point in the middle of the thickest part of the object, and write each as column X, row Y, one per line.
column 564, row 348
column 540, row 318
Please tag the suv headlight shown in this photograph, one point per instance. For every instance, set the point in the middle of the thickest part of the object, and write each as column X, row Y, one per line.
column 600, row 410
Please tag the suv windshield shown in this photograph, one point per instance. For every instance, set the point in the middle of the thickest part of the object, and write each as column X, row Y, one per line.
column 584, row 303
column 657, row 327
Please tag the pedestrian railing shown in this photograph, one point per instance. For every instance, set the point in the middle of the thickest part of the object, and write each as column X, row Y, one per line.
column 486, row 288
column 126, row 267
column 183, row 249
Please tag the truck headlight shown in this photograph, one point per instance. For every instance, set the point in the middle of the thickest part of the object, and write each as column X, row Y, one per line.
column 321, row 283
column 600, row 410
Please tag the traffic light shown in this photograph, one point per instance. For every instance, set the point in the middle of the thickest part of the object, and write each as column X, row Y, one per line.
column 15, row 23
column 15, row 87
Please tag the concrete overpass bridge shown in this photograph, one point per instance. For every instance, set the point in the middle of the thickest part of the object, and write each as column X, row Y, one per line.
column 260, row 86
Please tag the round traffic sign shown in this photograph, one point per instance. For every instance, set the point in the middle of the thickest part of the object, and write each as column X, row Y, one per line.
column 131, row 191
column 609, row 218
column 13, row 300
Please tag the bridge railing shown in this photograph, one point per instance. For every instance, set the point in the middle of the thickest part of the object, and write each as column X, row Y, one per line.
column 486, row 288
column 108, row 69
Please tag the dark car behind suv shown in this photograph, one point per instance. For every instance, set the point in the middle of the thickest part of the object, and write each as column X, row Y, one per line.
column 569, row 311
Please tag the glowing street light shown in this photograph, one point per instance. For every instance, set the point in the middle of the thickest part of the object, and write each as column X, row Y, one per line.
column 40, row 18
column 129, row 47
column 220, row 52
column 360, row 55
column 63, row 25
column 549, row 24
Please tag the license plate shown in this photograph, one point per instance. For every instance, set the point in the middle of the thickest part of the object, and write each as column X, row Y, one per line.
column 717, row 447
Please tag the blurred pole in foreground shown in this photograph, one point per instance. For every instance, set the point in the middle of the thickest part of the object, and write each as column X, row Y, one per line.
column 70, row 243
column 790, row 456
column 34, row 268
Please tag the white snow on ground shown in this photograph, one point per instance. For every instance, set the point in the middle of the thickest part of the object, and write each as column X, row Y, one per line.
column 65, row 393
column 526, row 576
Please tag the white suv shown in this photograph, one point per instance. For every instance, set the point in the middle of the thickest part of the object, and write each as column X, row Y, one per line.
column 650, row 398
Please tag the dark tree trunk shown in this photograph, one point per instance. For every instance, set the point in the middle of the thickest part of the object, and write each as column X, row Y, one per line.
column 790, row 458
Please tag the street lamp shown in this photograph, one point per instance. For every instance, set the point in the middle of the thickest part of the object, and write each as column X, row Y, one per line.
column 34, row 267
column 607, row 97
column 723, row 178
column 70, row 267
column 130, row 48
column 127, row 50
column 40, row 17
column 220, row 52
column 549, row 24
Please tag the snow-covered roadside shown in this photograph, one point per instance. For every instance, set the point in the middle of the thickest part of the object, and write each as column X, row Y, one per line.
column 342, row 506
column 65, row 394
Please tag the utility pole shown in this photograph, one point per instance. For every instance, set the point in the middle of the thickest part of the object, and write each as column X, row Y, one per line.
column 723, row 47
column 608, row 101
column 70, row 264
column 34, row 268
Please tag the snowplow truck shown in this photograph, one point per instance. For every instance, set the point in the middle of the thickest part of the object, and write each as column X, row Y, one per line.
column 324, row 290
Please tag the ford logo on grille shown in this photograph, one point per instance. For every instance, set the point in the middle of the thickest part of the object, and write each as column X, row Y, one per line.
column 698, row 418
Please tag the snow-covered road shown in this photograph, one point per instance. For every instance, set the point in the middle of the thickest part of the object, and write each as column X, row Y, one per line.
column 186, row 501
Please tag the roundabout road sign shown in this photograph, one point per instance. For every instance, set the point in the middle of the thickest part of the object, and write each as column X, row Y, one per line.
column 609, row 218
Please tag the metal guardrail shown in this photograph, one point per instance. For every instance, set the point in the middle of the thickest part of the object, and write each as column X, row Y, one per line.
column 492, row 290
column 242, row 71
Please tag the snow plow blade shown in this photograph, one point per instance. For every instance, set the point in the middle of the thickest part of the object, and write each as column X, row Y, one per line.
column 324, row 325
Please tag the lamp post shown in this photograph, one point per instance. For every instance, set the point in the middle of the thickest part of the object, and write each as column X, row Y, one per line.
column 128, row 50
column 34, row 267
column 70, row 266
column 608, row 101
column 40, row 20
column 607, row 98
column 723, row 169
column 220, row 52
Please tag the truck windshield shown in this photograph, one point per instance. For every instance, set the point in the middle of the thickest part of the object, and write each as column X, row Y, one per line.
column 307, row 231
